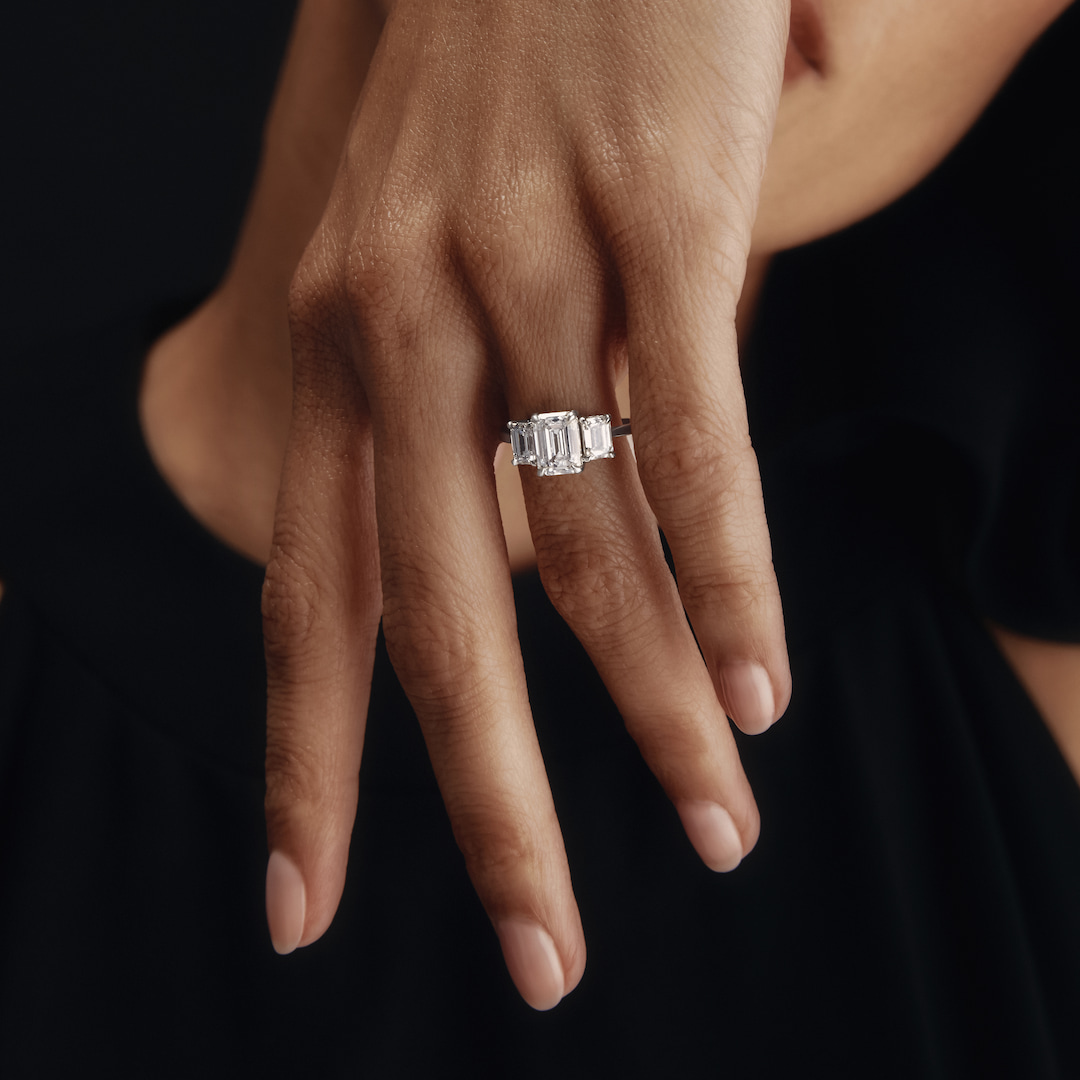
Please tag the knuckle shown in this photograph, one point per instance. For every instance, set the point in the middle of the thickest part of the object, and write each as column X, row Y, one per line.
column 517, row 264
column 485, row 236
column 704, row 487
column 392, row 257
column 688, row 456
column 293, row 776
column 713, row 250
column 596, row 590
column 374, row 267
column 675, row 742
column 368, row 282
column 736, row 589
column 399, row 296
column 624, row 162
column 381, row 292
column 669, row 224
column 288, row 609
column 497, row 843
column 297, row 610
column 319, row 603
column 686, row 249
column 304, row 785
column 436, row 659
column 314, row 301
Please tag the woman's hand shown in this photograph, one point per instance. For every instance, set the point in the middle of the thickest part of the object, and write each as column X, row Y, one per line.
column 534, row 194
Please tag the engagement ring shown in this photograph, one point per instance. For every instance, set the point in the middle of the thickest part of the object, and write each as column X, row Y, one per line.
column 560, row 443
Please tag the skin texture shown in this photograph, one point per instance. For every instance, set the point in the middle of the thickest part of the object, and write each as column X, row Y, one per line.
column 900, row 82
column 536, row 259
column 1050, row 672
column 216, row 398
column 503, row 233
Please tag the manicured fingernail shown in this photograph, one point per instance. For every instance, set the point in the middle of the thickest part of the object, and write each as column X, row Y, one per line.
column 533, row 962
column 713, row 834
column 748, row 696
column 286, row 902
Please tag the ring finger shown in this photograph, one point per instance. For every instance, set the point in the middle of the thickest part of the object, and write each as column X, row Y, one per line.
column 602, row 564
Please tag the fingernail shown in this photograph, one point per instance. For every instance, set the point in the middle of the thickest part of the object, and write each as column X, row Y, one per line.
column 711, row 830
column 286, row 902
column 748, row 696
column 533, row 962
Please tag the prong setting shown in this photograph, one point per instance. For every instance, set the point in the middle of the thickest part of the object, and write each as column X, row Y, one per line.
column 561, row 443
column 523, row 441
column 596, row 437
column 558, row 443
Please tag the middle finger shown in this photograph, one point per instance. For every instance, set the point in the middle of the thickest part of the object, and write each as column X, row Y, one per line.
column 451, row 634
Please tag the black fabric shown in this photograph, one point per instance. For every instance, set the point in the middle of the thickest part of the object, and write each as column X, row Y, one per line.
column 911, row 907
column 134, row 131
column 941, row 333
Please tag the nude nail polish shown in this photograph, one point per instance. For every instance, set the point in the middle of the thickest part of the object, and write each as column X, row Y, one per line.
column 533, row 962
column 712, row 831
column 286, row 902
column 747, row 695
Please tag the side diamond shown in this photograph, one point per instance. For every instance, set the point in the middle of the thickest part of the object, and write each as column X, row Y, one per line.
column 523, row 441
column 596, row 437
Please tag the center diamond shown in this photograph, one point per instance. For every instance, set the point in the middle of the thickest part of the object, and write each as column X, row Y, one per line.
column 558, row 443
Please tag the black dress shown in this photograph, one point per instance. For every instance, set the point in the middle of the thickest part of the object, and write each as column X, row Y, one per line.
column 912, row 909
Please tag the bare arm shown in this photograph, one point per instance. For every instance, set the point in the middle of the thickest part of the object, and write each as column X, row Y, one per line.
column 217, row 391
column 1050, row 672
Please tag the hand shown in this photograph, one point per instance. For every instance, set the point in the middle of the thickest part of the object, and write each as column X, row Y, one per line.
column 533, row 195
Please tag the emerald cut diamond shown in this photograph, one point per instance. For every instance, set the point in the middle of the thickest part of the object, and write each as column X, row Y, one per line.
column 523, row 441
column 558, row 443
column 596, row 437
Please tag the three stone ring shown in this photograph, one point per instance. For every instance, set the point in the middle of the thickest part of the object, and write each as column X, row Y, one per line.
column 560, row 443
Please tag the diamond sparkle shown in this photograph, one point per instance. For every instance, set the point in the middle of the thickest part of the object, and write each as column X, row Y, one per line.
column 596, row 437
column 523, row 441
column 558, row 443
